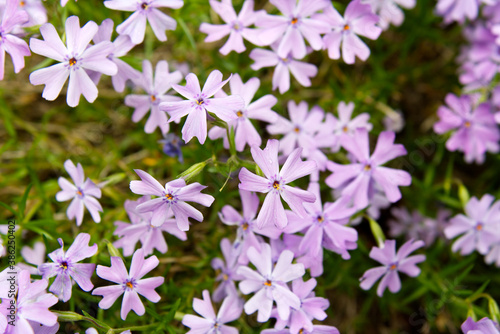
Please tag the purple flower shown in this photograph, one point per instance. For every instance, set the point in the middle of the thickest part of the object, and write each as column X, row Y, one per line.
column 269, row 283
column 244, row 130
column 13, row 45
column 275, row 183
column 284, row 65
column 34, row 256
column 121, row 46
column 346, row 124
column 236, row 25
column 142, row 230
column 483, row 326
column 199, row 104
column 37, row 14
column 389, row 11
column 65, row 265
column 293, row 27
column 156, row 92
column 227, row 269
column 145, row 10
column 458, row 10
column 74, row 59
column 360, row 177
column 317, row 329
column 31, row 304
column 311, row 307
column 358, row 20
column 172, row 199
column 230, row 310
column 479, row 227
column 325, row 226
column 476, row 129
column 172, row 146
column 392, row 263
column 245, row 236
column 129, row 284
column 82, row 193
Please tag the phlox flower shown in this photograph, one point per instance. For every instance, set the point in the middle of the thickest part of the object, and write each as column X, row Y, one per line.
column 74, row 59
column 172, row 146
column 247, row 227
column 325, row 226
column 316, row 329
column 156, row 92
column 458, row 10
column 302, row 72
column 199, row 103
column 483, row 326
column 311, row 307
column 389, row 11
column 65, row 265
column 172, row 199
column 244, row 131
column 130, row 284
column 145, row 10
column 295, row 25
column 358, row 20
column 479, row 227
column 347, row 124
column 32, row 304
column 476, row 131
column 227, row 268
column 121, row 46
column 230, row 310
column 34, row 256
column 37, row 14
column 360, row 178
column 275, row 183
column 269, row 283
column 236, row 25
column 392, row 263
column 141, row 229
column 12, row 18
column 82, row 193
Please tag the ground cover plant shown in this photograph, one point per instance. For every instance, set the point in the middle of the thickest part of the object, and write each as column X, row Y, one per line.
column 218, row 166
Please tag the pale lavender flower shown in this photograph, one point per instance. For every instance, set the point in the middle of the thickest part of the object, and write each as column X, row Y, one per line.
column 130, row 284
column 247, row 227
column 392, row 263
column 172, row 199
column 458, row 10
column 317, row 329
column 121, row 46
column 269, row 283
column 12, row 18
column 360, row 178
column 389, row 11
column 236, row 25
column 83, row 194
column 31, row 304
column 156, row 92
column 74, row 59
column 34, row 256
column 483, row 326
column 311, row 307
column 37, row 14
column 230, row 310
column 293, row 27
column 145, row 10
column 172, row 146
column 358, row 20
column 227, row 268
column 141, row 230
column 476, row 131
column 244, row 131
column 199, row 103
column 65, row 265
column 479, row 228
column 302, row 72
column 348, row 124
column 275, row 183
column 325, row 226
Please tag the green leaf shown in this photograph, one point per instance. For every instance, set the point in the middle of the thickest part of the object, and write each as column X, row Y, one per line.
column 112, row 249
column 8, row 207
column 463, row 194
column 68, row 316
column 171, row 314
column 377, row 232
column 493, row 309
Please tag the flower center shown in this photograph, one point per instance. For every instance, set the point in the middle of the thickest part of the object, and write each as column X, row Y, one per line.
column 64, row 265
column 276, row 185
column 225, row 277
column 199, row 101
column 268, row 283
column 479, row 226
column 129, row 285
column 72, row 61
column 301, row 331
column 169, row 197
column 21, row 3
column 467, row 124
column 295, row 20
column 345, row 128
column 346, row 27
column 79, row 193
column 320, row 219
column 144, row 6
column 297, row 129
column 153, row 98
column 239, row 113
column 244, row 226
column 393, row 266
column 367, row 167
